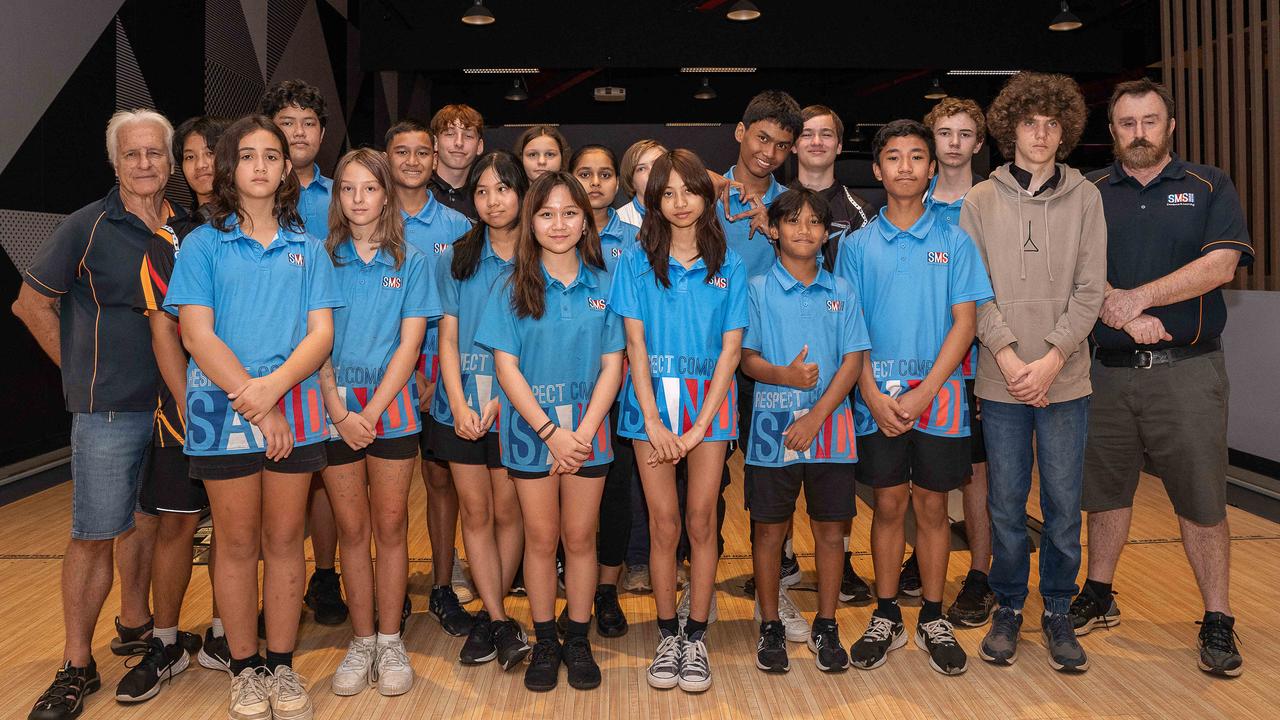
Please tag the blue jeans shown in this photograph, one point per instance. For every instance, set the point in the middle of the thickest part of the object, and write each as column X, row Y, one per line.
column 1059, row 431
column 109, row 452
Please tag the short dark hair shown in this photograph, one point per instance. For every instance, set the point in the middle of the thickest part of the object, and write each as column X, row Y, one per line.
column 777, row 106
column 1140, row 87
column 1028, row 94
column 293, row 92
column 206, row 126
column 791, row 202
column 901, row 128
column 407, row 125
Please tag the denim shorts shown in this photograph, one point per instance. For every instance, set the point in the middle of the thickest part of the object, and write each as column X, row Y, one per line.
column 109, row 459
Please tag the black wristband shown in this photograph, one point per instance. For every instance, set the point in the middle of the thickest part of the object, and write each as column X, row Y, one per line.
column 543, row 429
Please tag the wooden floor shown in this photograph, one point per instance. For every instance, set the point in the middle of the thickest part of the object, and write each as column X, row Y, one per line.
column 1145, row 668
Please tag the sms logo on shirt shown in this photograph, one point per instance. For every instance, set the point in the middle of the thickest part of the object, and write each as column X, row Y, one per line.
column 597, row 303
column 720, row 281
column 937, row 257
column 297, row 259
column 390, row 282
column 615, row 252
column 439, row 248
column 1185, row 198
column 835, row 305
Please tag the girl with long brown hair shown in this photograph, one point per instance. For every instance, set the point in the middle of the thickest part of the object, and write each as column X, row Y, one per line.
column 683, row 295
column 373, row 408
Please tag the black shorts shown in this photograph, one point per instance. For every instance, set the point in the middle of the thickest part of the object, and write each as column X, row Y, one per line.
column 338, row 452
column 593, row 471
column 447, row 446
column 424, row 437
column 977, row 446
column 926, row 461
column 169, row 487
column 828, row 491
column 306, row 459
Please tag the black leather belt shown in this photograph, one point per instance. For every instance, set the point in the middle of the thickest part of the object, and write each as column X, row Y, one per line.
column 1146, row 359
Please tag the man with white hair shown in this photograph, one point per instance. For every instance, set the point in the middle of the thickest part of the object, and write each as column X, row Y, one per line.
column 77, row 300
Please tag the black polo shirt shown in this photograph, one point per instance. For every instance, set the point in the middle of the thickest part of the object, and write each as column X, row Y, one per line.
column 849, row 212
column 1186, row 212
column 92, row 263
column 457, row 198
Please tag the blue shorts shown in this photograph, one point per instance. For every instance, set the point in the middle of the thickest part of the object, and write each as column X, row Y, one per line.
column 109, row 459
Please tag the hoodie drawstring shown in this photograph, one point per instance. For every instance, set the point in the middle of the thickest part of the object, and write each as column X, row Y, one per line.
column 1022, row 250
column 1048, row 261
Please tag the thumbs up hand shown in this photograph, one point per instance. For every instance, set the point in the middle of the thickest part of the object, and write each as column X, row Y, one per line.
column 801, row 374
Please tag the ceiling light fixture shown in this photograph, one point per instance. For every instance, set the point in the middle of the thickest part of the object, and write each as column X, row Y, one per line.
column 478, row 14
column 1065, row 20
column 743, row 11
column 705, row 91
column 500, row 71
column 935, row 91
column 517, row 91
column 968, row 73
column 705, row 70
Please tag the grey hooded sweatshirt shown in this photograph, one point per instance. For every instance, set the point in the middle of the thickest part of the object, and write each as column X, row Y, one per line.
column 1047, row 257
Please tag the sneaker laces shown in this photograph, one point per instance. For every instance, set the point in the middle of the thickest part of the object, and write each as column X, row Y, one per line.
column 358, row 658
column 251, row 686
column 154, row 658
column 508, row 631
column 1216, row 636
column 446, row 601
column 773, row 638
column 826, row 634
column 879, row 630
column 577, row 650
column 1059, row 629
column 288, row 683
column 63, row 693
column 1005, row 622
column 1087, row 605
column 787, row 611
column 392, row 657
column 543, row 652
column 971, row 591
column 667, row 657
column 694, row 660
column 939, row 632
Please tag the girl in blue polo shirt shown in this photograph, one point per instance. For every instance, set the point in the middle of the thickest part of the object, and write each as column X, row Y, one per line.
column 554, row 426
column 255, row 296
column 465, row 408
column 683, row 295
column 373, row 407
column 597, row 170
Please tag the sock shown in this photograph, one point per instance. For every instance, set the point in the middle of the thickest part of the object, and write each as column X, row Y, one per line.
column 846, row 546
column 668, row 626
column 388, row 639
column 577, row 629
column 1100, row 590
column 888, row 608
column 217, row 628
column 930, row 610
column 276, row 659
column 545, row 630
column 324, row 572
column 365, row 639
column 167, row 635
column 1229, row 619
column 786, row 549
column 253, row 661
column 694, row 629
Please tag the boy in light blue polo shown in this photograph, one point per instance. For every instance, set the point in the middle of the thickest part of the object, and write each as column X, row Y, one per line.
column 298, row 109
column 804, row 347
column 432, row 230
column 260, row 299
column 769, row 127
column 919, row 280
column 366, row 333
column 562, row 375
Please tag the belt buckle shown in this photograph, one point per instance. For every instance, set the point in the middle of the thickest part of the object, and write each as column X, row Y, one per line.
column 1141, row 355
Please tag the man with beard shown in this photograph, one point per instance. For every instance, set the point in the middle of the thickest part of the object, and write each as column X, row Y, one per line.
column 1176, row 235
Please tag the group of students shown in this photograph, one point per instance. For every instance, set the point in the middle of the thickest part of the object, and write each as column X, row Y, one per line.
column 543, row 357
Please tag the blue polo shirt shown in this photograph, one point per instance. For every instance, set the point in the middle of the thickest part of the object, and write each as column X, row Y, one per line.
column 757, row 252
column 432, row 230
column 616, row 237
column 684, row 327
column 260, row 299
column 561, row 375
column 907, row 281
column 785, row 315
column 466, row 301
column 950, row 213
column 313, row 204
column 366, row 331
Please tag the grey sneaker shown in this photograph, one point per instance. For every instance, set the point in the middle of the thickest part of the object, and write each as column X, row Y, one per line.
column 1000, row 646
column 1065, row 653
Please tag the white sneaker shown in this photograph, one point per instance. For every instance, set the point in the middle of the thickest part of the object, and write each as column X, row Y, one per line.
column 392, row 669
column 695, row 667
column 637, row 579
column 289, row 698
column 353, row 673
column 461, row 584
column 682, row 611
column 797, row 627
column 250, row 695
column 664, row 671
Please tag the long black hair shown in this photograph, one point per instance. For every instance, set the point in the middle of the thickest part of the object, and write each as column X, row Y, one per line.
column 655, row 231
column 510, row 171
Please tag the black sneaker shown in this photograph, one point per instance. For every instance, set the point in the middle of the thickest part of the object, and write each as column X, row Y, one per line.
column 788, row 571
column 829, row 654
column 324, row 597
column 1089, row 612
column 1065, row 653
column 444, row 605
column 131, row 641
column 584, row 673
column 262, row 624
column 190, row 642
column 853, row 589
column 560, row 572
column 517, row 584
column 771, row 649
column 872, row 649
column 405, row 611
column 1218, row 653
column 610, row 620
column 479, row 647
column 161, row 662
column 562, row 622
column 511, row 642
column 214, row 653
column 65, row 697
column 975, row 602
column 544, row 666
column 909, row 578
column 937, row 638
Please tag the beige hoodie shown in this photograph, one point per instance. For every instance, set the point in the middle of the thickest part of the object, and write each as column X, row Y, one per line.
column 1047, row 257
